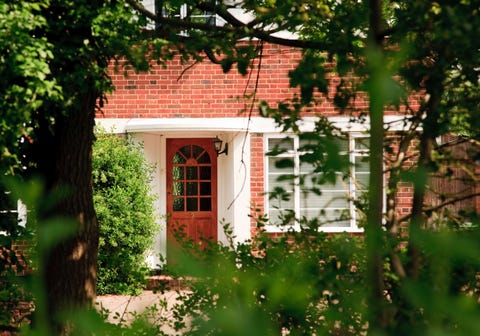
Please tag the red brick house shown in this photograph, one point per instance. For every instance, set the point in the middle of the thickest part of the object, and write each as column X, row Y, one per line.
column 202, row 130
column 178, row 112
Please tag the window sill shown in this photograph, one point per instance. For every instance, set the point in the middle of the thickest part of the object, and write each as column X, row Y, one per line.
column 277, row 229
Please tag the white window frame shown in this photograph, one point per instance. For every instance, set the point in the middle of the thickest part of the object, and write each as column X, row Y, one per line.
column 353, row 227
column 21, row 212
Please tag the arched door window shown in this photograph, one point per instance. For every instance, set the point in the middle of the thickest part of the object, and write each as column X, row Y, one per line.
column 192, row 179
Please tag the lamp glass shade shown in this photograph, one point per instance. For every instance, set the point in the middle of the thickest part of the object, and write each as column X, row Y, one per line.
column 217, row 144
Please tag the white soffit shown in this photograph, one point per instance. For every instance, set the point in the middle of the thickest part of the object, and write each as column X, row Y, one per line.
column 254, row 125
column 185, row 124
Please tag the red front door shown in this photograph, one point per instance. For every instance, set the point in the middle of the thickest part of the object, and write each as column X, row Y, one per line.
column 191, row 189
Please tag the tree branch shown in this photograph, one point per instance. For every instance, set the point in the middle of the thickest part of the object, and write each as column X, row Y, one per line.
column 452, row 201
column 235, row 27
column 439, row 206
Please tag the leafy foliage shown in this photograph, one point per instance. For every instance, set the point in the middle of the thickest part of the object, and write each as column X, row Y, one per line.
column 13, row 295
column 25, row 293
column 304, row 283
column 26, row 77
column 125, row 212
column 309, row 283
column 426, row 284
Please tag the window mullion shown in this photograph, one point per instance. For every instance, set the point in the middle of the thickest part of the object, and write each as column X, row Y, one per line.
column 296, row 172
column 183, row 11
column 351, row 158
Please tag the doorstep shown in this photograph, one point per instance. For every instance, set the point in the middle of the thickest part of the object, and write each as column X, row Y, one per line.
column 168, row 282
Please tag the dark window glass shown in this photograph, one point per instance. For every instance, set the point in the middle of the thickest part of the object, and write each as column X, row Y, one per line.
column 186, row 151
column 205, row 188
column 192, row 204
column 204, row 158
column 179, row 159
column 205, row 173
column 178, row 204
column 192, row 173
column 196, row 151
column 192, row 188
column 205, row 204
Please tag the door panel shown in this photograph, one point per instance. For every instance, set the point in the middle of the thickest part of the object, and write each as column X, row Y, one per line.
column 191, row 189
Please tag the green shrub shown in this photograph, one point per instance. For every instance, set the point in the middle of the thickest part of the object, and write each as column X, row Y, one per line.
column 304, row 283
column 125, row 212
column 312, row 283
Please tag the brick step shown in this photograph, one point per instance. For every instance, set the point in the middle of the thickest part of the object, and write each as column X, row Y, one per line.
column 159, row 282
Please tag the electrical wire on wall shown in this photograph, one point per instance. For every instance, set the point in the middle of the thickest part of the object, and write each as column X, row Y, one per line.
column 250, row 113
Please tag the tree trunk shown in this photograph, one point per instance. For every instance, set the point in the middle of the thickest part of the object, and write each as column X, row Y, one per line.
column 373, row 229
column 65, row 162
column 424, row 169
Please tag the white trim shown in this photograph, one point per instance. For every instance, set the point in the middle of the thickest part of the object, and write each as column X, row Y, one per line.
column 353, row 228
column 254, row 124
column 233, row 182
column 234, row 129
column 143, row 125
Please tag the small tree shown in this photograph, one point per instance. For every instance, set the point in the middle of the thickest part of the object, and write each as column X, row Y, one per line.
column 125, row 213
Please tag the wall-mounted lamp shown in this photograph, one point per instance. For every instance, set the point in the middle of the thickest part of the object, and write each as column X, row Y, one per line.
column 217, row 144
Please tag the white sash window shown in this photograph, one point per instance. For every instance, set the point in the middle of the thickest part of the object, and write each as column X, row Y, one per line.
column 303, row 194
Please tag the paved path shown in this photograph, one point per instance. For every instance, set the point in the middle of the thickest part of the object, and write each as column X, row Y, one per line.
column 126, row 306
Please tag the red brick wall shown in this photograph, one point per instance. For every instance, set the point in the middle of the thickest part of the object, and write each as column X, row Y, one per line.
column 204, row 91
column 257, row 175
column 201, row 91
column 403, row 196
column 16, row 257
